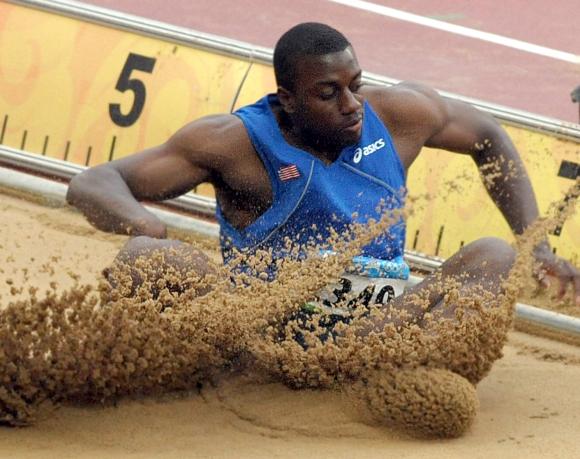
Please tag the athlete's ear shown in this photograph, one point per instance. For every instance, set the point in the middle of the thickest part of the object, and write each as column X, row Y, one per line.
column 287, row 99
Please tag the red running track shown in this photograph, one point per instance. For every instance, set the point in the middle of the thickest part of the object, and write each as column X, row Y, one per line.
column 405, row 51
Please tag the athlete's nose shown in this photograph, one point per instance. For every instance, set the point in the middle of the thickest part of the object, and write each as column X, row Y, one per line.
column 350, row 103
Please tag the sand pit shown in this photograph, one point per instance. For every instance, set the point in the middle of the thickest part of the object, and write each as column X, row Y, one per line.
column 527, row 403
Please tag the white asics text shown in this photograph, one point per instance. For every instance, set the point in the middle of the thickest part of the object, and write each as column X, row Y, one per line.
column 368, row 150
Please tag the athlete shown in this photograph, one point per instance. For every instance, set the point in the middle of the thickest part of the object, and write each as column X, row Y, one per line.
column 322, row 148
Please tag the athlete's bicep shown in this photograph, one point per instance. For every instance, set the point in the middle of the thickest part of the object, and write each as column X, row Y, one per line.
column 463, row 128
column 160, row 173
column 170, row 169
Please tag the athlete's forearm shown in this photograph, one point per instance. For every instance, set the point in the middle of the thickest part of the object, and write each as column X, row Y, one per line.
column 507, row 182
column 104, row 198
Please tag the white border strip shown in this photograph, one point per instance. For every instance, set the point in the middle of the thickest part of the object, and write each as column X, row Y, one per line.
column 460, row 30
column 65, row 170
column 548, row 318
column 55, row 192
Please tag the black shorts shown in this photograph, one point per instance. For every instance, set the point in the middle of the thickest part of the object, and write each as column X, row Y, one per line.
column 322, row 315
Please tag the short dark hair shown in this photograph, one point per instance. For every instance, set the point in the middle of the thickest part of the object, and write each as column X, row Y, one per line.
column 306, row 39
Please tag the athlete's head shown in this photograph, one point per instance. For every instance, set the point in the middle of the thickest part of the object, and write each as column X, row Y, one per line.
column 318, row 78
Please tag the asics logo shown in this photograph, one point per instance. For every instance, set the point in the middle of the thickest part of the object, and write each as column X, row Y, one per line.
column 368, row 150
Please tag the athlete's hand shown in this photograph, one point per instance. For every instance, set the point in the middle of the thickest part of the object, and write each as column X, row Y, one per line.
column 553, row 267
column 152, row 227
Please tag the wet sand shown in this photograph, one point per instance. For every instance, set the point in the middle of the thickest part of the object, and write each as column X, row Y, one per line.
column 529, row 403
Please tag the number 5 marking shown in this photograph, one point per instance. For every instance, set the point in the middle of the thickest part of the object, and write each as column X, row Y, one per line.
column 125, row 83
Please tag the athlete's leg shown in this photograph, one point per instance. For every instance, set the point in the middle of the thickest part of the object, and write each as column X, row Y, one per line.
column 481, row 265
column 468, row 345
column 159, row 263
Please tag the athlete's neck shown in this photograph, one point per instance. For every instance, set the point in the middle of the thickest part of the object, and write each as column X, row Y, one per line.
column 303, row 139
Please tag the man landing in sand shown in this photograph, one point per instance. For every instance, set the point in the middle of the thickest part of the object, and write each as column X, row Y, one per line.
column 321, row 154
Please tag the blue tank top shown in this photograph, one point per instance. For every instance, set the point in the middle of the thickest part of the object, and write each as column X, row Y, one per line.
column 310, row 196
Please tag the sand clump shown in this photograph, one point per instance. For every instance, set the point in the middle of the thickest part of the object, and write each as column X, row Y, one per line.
column 428, row 402
column 68, row 347
column 86, row 345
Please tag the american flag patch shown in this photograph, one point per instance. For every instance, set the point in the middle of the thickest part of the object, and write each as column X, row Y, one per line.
column 288, row 172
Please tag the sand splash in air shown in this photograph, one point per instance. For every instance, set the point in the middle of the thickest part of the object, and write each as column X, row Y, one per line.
column 74, row 346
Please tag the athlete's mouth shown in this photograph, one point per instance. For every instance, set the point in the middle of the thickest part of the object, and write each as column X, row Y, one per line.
column 353, row 124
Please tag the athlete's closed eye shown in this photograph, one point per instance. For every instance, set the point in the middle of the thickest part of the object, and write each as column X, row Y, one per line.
column 328, row 93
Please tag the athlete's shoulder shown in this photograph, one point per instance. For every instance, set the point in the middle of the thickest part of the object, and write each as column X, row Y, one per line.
column 223, row 128
column 407, row 103
column 214, row 135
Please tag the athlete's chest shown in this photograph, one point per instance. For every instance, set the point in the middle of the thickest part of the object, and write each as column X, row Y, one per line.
column 244, row 190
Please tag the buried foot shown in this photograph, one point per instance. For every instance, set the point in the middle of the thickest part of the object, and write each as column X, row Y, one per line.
column 424, row 402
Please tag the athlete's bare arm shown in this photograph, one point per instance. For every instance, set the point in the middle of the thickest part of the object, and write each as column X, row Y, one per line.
column 213, row 149
column 418, row 116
